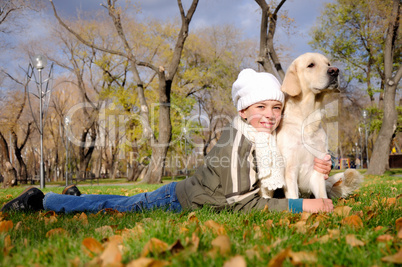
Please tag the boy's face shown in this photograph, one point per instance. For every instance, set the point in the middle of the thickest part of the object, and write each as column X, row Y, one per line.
column 265, row 116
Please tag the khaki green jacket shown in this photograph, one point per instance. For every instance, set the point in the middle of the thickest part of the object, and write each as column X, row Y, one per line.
column 228, row 178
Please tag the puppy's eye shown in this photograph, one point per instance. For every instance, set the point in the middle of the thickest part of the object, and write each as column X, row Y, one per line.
column 329, row 64
column 311, row 65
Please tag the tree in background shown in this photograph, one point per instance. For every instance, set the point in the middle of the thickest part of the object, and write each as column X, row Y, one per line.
column 365, row 36
column 268, row 57
column 392, row 76
column 165, row 73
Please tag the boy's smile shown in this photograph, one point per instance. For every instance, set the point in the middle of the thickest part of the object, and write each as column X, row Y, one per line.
column 264, row 116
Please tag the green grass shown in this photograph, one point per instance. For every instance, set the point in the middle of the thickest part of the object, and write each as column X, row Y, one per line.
column 251, row 234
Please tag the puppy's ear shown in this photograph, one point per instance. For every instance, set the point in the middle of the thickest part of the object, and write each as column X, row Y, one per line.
column 291, row 83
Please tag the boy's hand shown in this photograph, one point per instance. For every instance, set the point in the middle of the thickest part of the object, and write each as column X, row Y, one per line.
column 323, row 165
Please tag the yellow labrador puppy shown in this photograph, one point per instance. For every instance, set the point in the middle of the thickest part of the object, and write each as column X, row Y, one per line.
column 301, row 136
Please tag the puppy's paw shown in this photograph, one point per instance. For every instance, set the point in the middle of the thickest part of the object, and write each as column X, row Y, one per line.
column 344, row 184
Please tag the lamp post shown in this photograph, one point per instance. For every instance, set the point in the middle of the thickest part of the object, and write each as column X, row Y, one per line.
column 357, row 157
column 66, row 123
column 185, row 150
column 39, row 62
column 365, row 119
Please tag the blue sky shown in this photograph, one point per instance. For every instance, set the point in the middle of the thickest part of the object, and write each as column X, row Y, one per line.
column 244, row 14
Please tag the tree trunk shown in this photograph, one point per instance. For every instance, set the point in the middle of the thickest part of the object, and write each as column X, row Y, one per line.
column 268, row 58
column 7, row 169
column 86, row 154
column 160, row 146
column 380, row 156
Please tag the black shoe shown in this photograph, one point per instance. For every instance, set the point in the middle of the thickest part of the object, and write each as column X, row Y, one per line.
column 71, row 190
column 30, row 199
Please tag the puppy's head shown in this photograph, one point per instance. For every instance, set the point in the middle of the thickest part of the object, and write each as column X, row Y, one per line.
column 310, row 72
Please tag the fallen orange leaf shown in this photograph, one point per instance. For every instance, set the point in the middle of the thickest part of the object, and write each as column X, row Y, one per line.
column 305, row 215
column 154, row 246
column 396, row 258
column 7, row 245
column 398, row 224
column 104, row 231
column 93, row 245
column 391, row 201
column 215, row 227
column 56, row 231
column 222, row 244
column 192, row 245
column 384, row 238
column 342, row 211
column 278, row 260
column 111, row 256
column 147, row 262
column 334, row 233
column 236, row 261
column 302, row 257
column 253, row 253
column 353, row 221
column 6, row 226
column 353, row 241
column 192, row 217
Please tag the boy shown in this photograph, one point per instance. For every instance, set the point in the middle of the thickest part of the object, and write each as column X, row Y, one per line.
column 238, row 172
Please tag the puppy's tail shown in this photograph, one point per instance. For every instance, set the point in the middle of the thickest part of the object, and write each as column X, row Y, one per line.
column 343, row 184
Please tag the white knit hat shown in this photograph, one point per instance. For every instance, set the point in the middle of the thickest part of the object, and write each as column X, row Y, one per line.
column 252, row 87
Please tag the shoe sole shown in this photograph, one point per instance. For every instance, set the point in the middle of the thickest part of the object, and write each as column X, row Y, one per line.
column 67, row 188
column 18, row 198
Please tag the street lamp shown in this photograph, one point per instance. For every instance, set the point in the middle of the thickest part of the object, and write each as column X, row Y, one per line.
column 39, row 62
column 185, row 149
column 66, row 123
column 357, row 157
column 365, row 119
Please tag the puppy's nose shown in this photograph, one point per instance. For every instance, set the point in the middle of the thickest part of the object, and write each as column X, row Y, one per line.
column 333, row 71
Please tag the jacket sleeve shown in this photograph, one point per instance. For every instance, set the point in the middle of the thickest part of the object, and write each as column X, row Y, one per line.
column 257, row 202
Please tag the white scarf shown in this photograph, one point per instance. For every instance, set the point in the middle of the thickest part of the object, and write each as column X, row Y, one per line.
column 270, row 162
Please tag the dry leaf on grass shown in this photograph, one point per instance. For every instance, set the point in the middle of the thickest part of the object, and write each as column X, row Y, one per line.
column 154, row 246
column 192, row 218
column 147, row 262
column 384, row 238
column 305, row 215
column 111, row 256
column 398, row 224
column 300, row 227
column 192, row 245
column 6, row 226
column 342, row 211
column 56, row 231
column 334, row 233
column 253, row 253
column 278, row 260
column 396, row 258
column 353, row 241
column 399, row 234
column 353, row 221
column 302, row 257
column 236, row 261
column 92, row 245
column 104, row 231
column 83, row 218
column 215, row 227
column 7, row 245
column 221, row 245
